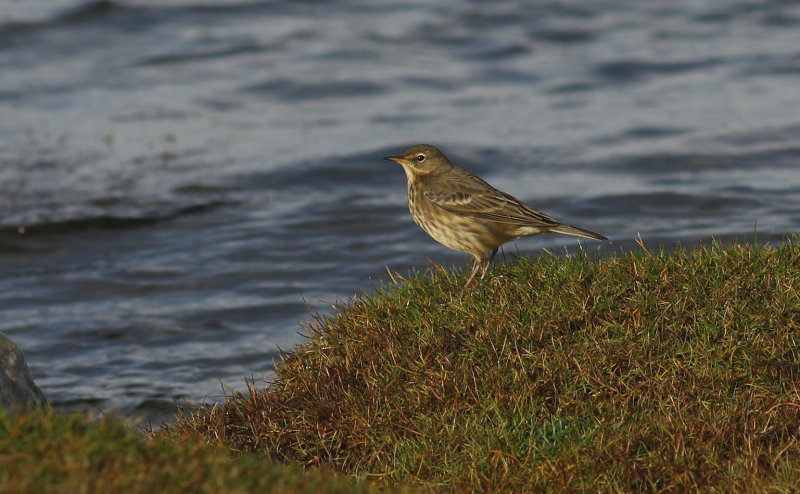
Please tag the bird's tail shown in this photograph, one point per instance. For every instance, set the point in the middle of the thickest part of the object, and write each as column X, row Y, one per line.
column 578, row 232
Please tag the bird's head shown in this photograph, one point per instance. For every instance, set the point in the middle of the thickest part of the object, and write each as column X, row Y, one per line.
column 422, row 159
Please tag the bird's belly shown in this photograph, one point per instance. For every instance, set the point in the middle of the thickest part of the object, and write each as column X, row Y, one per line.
column 458, row 232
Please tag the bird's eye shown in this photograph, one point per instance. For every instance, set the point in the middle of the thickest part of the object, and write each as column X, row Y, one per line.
column 420, row 158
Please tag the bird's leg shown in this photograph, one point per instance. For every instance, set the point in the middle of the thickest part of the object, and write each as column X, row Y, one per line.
column 478, row 264
column 488, row 262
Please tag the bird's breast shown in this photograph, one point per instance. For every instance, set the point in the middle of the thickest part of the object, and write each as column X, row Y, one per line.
column 459, row 232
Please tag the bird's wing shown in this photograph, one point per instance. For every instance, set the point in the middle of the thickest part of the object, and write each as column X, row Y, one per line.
column 471, row 196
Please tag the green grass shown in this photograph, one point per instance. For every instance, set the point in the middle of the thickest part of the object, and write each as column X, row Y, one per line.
column 646, row 371
column 639, row 372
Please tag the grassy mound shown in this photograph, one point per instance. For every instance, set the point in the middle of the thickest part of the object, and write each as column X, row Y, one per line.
column 643, row 371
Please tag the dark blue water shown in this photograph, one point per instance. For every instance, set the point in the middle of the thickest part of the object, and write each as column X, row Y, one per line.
column 179, row 180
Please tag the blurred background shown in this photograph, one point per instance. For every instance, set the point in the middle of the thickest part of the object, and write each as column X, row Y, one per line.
column 182, row 181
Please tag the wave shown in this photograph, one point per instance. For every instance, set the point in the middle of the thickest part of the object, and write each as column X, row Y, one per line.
column 105, row 221
column 123, row 14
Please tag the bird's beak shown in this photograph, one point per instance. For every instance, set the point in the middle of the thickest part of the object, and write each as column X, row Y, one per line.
column 398, row 159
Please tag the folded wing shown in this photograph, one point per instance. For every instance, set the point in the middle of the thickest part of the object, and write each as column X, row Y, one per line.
column 476, row 198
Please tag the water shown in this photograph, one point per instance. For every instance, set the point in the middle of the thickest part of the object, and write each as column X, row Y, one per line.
column 180, row 181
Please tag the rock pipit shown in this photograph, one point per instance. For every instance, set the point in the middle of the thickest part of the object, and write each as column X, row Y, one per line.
column 461, row 211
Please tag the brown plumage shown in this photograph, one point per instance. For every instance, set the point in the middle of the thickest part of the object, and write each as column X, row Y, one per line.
column 463, row 212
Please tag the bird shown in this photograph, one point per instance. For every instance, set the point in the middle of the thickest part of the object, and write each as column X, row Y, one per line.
column 463, row 212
